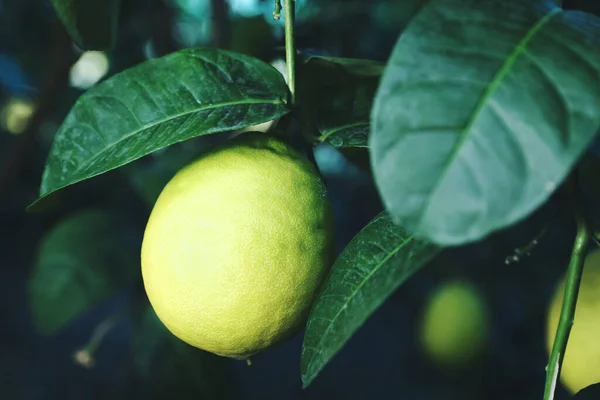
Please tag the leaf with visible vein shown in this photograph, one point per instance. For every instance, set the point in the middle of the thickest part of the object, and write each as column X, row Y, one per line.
column 160, row 102
column 379, row 259
column 483, row 109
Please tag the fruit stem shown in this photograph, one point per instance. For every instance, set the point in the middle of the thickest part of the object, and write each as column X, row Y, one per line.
column 85, row 356
column 573, row 280
column 290, row 47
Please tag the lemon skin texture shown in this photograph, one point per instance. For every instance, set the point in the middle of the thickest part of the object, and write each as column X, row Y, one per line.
column 581, row 363
column 237, row 246
column 455, row 325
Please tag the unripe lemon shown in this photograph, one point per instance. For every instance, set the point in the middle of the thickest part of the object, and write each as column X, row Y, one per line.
column 455, row 325
column 237, row 245
column 581, row 363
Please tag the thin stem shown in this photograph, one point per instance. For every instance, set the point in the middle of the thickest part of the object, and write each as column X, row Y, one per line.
column 528, row 248
column 596, row 239
column 277, row 10
column 100, row 332
column 290, row 47
column 567, row 312
column 85, row 355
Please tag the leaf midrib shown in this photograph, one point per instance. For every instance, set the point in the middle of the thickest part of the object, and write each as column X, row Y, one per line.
column 513, row 57
column 77, row 172
column 349, row 298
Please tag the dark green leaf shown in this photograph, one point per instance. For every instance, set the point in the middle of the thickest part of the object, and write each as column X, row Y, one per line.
column 336, row 95
column 172, row 369
column 163, row 101
column 84, row 259
column 91, row 23
column 483, row 110
column 380, row 258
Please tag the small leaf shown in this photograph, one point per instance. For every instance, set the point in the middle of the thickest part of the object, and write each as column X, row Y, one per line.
column 336, row 95
column 160, row 102
column 483, row 109
column 83, row 260
column 380, row 258
column 172, row 369
column 91, row 23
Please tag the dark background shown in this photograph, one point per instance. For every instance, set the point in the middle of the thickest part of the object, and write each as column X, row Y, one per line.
column 383, row 360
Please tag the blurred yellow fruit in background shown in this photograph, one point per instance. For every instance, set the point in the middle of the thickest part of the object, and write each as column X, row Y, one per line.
column 455, row 324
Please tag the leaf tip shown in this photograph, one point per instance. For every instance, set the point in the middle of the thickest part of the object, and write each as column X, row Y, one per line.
column 306, row 381
column 39, row 204
column 308, row 373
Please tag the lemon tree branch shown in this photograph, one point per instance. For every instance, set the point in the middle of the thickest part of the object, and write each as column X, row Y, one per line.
column 567, row 312
column 290, row 47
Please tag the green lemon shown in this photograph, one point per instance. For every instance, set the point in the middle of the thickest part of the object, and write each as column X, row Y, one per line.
column 455, row 325
column 581, row 363
column 237, row 245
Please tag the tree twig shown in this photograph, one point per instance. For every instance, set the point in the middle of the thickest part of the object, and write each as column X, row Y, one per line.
column 290, row 47
column 596, row 238
column 573, row 280
column 85, row 355
column 526, row 249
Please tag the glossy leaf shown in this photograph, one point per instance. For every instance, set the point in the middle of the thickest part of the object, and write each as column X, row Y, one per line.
column 483, row 109
column 82, row 260
column 91, row 23
column 160, row 102
column 379, row 259
column 336, row 98
column 170, row 368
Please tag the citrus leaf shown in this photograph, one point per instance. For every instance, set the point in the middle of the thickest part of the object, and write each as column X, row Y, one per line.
column 170, row 368
column 377, row 260
column 92, row 23
column 482, row 111
column 160, row 102
column 82, row 260
column 337, row 96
